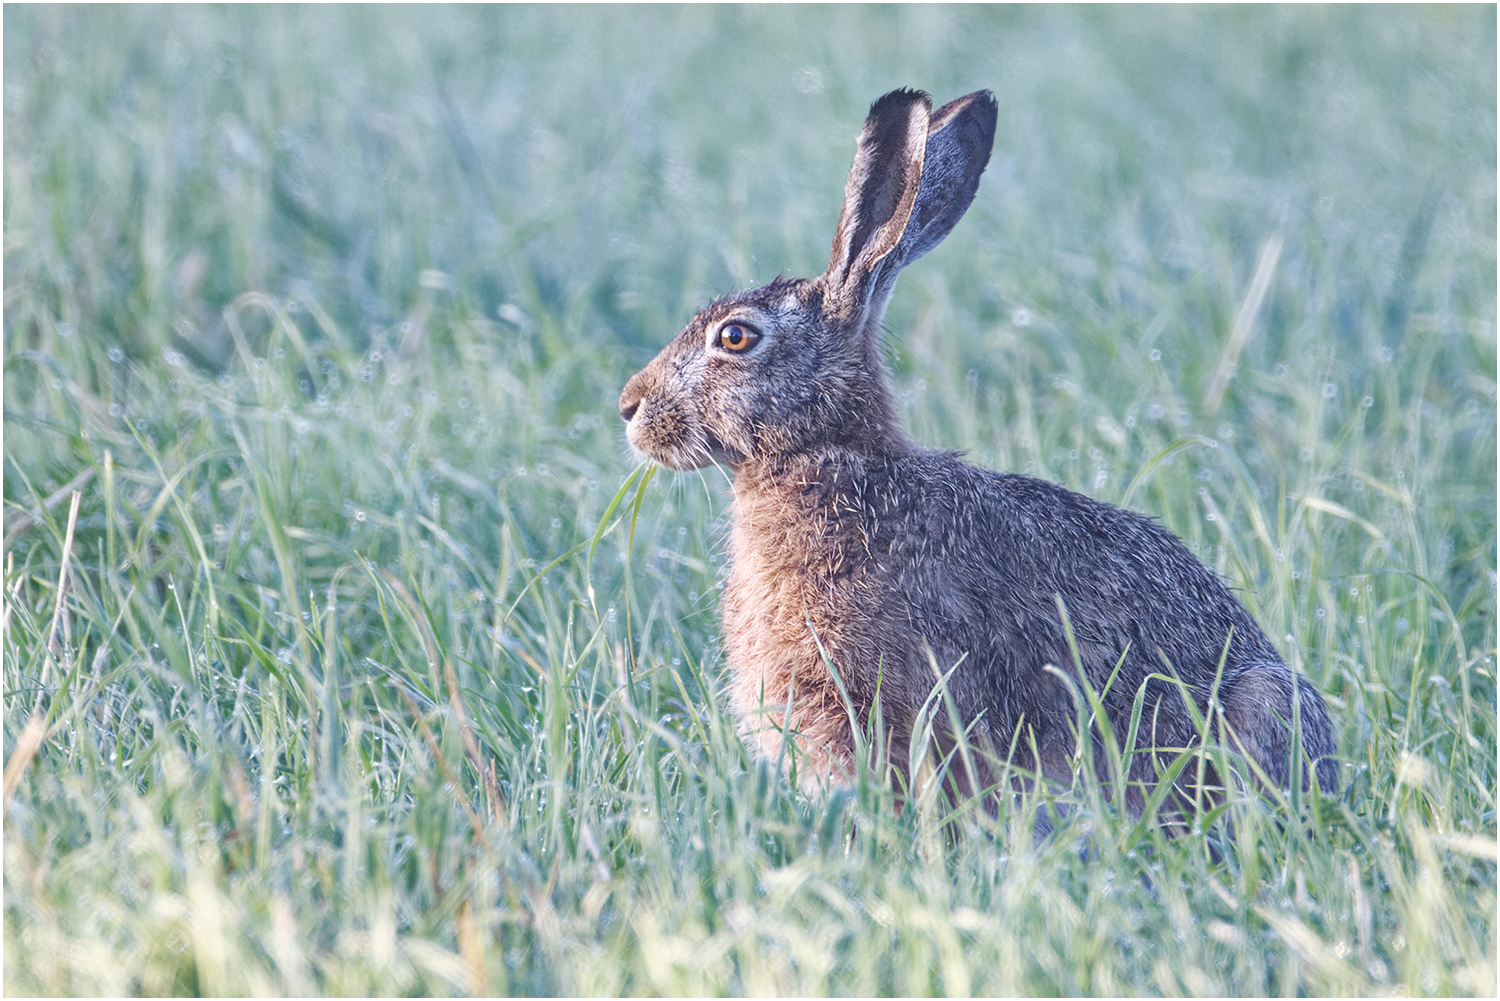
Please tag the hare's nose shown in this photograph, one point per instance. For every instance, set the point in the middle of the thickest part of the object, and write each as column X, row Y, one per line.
column 631, row 396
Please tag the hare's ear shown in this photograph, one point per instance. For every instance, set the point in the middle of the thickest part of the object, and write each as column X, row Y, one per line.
column 879, row 195
column 911, row 182
column 960, row 136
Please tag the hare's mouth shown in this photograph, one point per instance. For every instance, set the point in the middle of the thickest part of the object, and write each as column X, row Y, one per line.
column 676, row 440
column 699, row 454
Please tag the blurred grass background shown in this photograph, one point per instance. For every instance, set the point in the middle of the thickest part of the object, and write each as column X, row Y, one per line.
column 323, row 312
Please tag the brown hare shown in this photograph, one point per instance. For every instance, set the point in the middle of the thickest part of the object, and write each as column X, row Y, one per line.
column 854, row 550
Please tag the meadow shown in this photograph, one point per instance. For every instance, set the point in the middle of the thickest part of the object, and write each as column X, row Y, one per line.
column 347, row 650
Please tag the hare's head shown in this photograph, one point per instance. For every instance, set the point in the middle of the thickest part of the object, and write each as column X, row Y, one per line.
column 795, row 366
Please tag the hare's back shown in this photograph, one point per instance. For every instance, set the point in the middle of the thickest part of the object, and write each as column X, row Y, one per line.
column 1016, row 543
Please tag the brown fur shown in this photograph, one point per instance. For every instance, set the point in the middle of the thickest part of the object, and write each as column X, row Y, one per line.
column 853, row 547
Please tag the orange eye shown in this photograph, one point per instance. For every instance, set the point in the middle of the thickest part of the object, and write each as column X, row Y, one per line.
column 737, row 338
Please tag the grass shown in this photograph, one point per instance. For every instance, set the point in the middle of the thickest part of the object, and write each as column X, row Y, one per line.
column 328, row 668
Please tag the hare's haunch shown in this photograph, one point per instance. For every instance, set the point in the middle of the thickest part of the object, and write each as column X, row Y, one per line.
column 852, row 543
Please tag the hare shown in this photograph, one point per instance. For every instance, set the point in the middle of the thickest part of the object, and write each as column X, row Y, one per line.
column 854, row 550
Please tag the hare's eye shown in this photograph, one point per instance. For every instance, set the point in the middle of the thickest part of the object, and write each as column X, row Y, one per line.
column 737, row 338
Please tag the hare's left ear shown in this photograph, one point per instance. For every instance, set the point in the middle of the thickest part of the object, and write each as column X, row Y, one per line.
column 913, row 177
column 879, row 195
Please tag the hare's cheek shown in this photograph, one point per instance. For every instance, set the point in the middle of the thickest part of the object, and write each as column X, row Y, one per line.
column 730, row 417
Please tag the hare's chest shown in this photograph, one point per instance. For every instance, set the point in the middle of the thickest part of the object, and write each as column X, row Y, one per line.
column 785, row 619
column 796, row 571
column 798, row 594
column 772, row 608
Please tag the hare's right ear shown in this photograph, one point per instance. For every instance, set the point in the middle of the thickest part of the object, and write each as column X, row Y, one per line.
column 960, row 136
column 903, row 198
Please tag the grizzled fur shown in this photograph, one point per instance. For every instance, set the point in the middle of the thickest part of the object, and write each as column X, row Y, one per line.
column 890, row 556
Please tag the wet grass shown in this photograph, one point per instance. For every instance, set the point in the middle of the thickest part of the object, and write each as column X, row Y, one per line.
column 330, row 668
